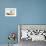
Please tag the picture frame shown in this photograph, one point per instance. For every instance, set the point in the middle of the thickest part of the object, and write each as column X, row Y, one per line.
column 10, row 12
column 38, row 30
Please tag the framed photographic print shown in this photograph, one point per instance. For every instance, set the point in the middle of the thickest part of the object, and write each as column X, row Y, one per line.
column 10, row 11
column 33, row 32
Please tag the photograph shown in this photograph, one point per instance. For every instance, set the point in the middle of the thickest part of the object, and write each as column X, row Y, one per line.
column 30, row 33
column 10, row 11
